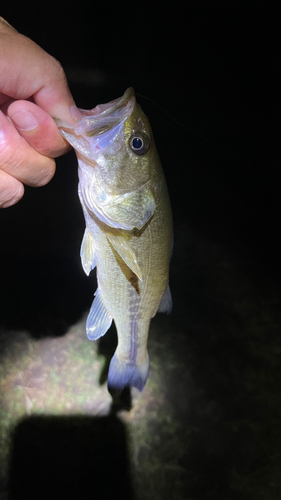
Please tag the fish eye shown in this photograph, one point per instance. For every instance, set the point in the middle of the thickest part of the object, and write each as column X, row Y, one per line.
column 139, row 144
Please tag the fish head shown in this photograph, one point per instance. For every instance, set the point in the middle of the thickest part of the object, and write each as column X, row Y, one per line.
column 115, row 150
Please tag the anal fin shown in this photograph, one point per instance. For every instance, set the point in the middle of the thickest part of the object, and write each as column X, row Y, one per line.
column 99, row 320
column 166, row 304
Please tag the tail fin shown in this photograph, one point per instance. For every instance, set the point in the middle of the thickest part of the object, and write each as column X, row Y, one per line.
column 122, row 374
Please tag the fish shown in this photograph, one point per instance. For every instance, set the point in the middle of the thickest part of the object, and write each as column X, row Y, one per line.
column 129, row 229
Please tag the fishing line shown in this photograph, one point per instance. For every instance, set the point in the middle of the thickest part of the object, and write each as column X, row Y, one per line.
column 216, row 147
column 165, row 111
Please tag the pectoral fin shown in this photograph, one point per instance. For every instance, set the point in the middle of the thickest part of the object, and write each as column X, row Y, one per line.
column 166, row 304
column 87, row 252
column 99, row 320
column 122, row 247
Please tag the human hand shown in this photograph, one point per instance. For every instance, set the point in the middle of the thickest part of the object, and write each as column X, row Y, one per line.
column 33, row 88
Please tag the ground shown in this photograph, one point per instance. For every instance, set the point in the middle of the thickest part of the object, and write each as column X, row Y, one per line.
column 207, row 423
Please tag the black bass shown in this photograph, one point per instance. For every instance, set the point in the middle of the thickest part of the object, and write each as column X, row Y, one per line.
column 128, row 234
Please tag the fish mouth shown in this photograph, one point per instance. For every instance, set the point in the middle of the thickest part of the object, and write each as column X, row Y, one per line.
column 97, row 132
column 104, row 117
column 110, row 107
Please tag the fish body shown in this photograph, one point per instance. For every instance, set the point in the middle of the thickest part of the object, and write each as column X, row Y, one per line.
column 128, row 235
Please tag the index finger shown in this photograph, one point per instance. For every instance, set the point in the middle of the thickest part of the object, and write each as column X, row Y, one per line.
column 26, row 70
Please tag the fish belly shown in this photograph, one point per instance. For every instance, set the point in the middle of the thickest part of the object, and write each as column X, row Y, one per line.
column 122, row 296
column 131, row 302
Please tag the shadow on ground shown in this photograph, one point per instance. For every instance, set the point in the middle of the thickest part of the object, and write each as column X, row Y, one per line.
column 70, row 457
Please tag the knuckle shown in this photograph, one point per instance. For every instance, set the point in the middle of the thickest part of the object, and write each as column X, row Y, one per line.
column 33, row 169
column 43, row 176
column 11, row 193
column 8, row 153
column 58, row 70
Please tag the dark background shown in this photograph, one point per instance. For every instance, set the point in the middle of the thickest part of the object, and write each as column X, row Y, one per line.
column 206, row 73
column 212, row 68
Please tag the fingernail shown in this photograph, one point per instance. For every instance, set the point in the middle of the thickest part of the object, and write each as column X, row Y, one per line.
column 24, row 120
column 76, row 113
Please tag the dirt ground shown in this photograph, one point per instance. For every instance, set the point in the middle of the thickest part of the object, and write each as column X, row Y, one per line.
column 205, row 426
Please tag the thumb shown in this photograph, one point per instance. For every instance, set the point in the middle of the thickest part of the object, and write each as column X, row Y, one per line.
column 38, row 128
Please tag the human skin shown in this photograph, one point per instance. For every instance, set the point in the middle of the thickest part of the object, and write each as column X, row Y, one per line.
column 33, row 89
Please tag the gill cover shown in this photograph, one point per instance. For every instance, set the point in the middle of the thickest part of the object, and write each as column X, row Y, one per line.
column 112, row 145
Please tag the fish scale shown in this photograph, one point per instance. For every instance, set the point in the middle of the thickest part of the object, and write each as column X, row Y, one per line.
column 128, row 233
